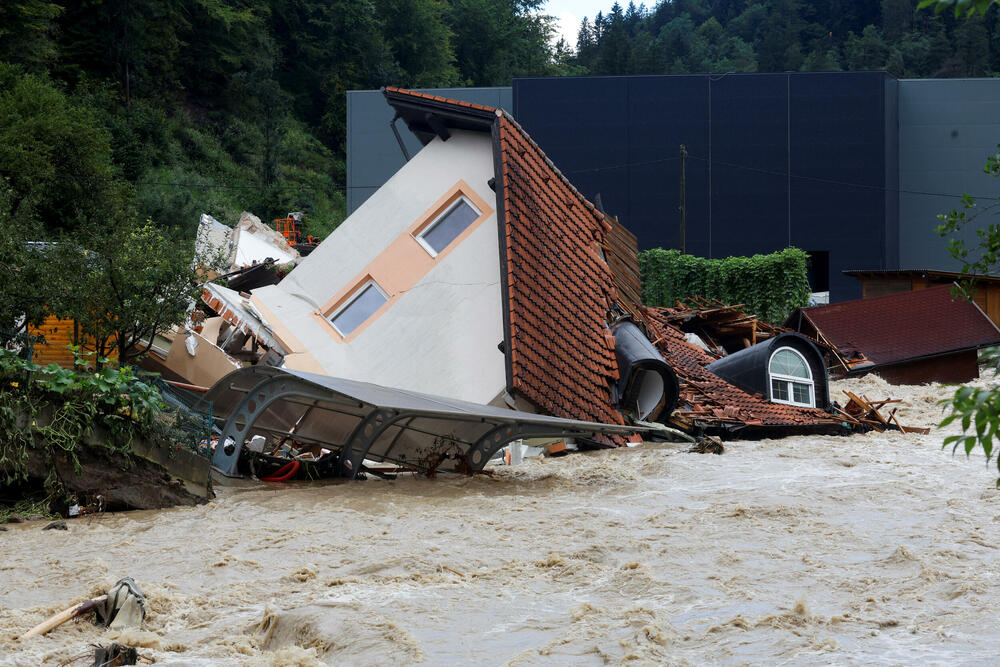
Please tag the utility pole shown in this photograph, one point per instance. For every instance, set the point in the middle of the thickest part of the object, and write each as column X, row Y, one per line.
column 683, row 206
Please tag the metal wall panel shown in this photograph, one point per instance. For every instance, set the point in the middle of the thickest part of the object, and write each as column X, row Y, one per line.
column 373, row 155
column 838, row 172
column 791, row 158
column 947, row 129
column 748, row 162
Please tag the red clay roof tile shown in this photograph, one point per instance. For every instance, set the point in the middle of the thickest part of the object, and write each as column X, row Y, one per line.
column 559, row 290
column 703, row 390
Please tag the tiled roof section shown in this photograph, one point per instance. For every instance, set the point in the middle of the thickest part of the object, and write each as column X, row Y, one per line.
column 560, row 289
column 906, row 325
column 437, row 98
column 706, row 396
column 622, row 251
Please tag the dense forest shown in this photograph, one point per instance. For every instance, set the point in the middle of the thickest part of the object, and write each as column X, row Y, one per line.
column 164, row 109
column 686, row 36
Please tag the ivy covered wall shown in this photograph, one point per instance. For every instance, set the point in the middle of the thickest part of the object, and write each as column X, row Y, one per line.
column 769, row 286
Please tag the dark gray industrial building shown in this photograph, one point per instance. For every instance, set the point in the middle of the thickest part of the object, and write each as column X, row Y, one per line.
column 852, row 167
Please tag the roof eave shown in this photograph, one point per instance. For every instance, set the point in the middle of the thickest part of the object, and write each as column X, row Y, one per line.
column 421, row 114
column 501, row 215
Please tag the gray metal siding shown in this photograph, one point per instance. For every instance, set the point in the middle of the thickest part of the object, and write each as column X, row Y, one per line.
column 947, row 129
column 373, row 155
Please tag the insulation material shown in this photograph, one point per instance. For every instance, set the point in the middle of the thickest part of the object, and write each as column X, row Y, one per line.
column 254, row 243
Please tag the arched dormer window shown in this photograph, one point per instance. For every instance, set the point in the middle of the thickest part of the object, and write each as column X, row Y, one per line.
column 791, row 379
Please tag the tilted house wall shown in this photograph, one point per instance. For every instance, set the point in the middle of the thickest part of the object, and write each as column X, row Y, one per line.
column 517, row 310
column 439, row 330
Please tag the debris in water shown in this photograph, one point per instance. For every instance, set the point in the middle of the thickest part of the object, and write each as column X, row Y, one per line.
column 123, row 606
column 114, row 655
column 56, row 525
column 865, row 412
column 709, row 444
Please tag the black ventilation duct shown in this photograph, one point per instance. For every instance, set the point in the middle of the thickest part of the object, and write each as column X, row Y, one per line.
column 647, row 387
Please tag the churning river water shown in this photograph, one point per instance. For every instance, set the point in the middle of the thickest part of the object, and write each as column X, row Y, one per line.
column 877, row 548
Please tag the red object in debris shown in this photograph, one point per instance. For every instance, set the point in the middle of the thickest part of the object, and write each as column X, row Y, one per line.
column 284, row 473
column 289, row 228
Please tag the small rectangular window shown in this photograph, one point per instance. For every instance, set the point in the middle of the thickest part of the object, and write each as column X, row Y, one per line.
column 359, row 308
column 448, row 226
column 779, row 390
column 800, row 393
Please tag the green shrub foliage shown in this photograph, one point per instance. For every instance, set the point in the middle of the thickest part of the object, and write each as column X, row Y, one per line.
column 54, row 410
column 768, row 286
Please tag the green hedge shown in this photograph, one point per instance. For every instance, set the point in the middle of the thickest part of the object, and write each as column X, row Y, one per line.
column 769, row 286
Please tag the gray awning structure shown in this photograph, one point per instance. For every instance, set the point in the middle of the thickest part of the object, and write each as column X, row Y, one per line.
column 359, row 421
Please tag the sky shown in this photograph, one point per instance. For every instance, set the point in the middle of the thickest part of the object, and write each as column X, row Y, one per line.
column 569, row 13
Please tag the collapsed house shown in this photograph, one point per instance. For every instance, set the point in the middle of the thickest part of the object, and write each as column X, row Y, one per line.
column 915, row 337
column 480, row 274
column 250, row 243
column 247, row 256
column 476, row 272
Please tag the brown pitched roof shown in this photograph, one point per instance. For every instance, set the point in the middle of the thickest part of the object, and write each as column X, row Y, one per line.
column 438, row 98
column 907, row 325
column 559, row 292
column 558, row 289
column 708, row 398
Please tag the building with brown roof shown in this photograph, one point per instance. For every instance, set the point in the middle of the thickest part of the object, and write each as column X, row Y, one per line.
column 986, row 292
column 479, row 272
column 914, row 337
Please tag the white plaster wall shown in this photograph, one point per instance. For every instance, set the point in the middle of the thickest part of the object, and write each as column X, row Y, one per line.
column 441, row 336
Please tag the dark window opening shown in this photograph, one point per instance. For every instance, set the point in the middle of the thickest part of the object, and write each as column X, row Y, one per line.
column 819, row 270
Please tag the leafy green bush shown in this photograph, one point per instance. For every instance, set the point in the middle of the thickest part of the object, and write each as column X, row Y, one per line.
column 768, row 286
column 55, row 409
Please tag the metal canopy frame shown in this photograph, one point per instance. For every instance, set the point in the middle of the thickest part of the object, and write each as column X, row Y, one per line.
column 245, row 396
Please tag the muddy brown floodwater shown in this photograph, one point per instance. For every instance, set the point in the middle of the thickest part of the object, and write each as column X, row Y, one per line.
column 878, row 548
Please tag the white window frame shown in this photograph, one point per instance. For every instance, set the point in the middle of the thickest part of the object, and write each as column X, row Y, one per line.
column 789, row 379
column 354, row 297
column 419, row 236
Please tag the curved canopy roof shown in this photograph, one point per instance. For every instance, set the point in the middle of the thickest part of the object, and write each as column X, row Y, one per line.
column 362, row 421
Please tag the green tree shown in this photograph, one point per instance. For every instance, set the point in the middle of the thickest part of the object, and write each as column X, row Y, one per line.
column 867, row 51
column 897, row 18
column 26, row 271
column 960, row 7
column 821, row 60
column 675, row 39
column 647, row 54
column 496, row 40
column 420, row 41
column 973, row 46
column 128, row 285
column 586, row 44
column 27, row 32
column 615, row 51
column 54, row 154
column 779, row 48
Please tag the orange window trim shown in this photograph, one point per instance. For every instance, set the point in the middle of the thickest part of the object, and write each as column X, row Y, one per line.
column 404, row 263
